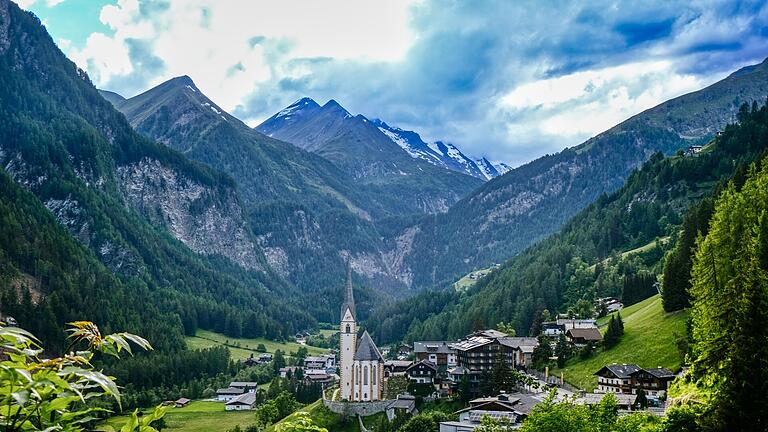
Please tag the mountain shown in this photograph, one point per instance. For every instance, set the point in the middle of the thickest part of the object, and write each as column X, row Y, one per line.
column 511, row 212
column 440, row 154
column 111, row 97
column 99, row 218
column 616, row 247
column 360, row 149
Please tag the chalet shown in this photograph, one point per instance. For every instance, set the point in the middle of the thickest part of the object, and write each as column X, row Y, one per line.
column 583, row 336
column 396, row 367
column 319, row 363
column 611, row 304
column 264, row 358
column 404, row 350
column 569, row 324
column 616, row 378
column 324, row 379
column 552, row 329
column 245, row 401
column 442, row 354
column 227, row 394
column 404, row 404
column 652, row 381
column 181, row 402
column 423, row 372
column 512, row 407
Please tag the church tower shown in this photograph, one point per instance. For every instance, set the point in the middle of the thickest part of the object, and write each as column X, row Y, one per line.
column 348, row 339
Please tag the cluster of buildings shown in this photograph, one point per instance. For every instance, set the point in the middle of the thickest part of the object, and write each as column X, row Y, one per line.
column 628, row 379
column 578, row 332
column 314, row 369
column 240, row 395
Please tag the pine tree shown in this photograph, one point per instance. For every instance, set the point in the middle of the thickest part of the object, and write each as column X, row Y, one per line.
column 562, row 351
column 542, row 352
column 501, row 375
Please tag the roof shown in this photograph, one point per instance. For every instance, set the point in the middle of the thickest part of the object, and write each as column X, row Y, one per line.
column 595, row 398
column 458, row 370
column 367, row 349
column 182, row 401
column 590, row 334
column 472, row 343
column 439, row 347
column 243, row 399
column 243, row 384
column 658, row 372
column 406, row 402
column 425, row 363
column 622, row 371
column 349, row 298
column 519, row 342
column 492, row 334
column 576, row 321
column 397, row 364
column 230, row 391
column 313, row 359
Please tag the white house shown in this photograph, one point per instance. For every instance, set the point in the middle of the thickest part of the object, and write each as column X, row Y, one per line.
column 245, row 401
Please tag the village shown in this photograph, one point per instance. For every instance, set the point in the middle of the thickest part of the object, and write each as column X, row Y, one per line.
column 491, row 372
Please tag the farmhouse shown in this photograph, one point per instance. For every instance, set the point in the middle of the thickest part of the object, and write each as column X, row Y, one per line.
column 583, row 336
column 227, row 394
column 404, row 404
column 396, row 367
column 442, row 354
column 512, row 407
column 629, row 378
column 245, row 401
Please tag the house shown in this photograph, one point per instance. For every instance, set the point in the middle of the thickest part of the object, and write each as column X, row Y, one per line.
column 404, row 350
column 423, row 372
column 227, row 394
column 318, row 364
column 181, row 402
column 405, row 404
column 652, row 381
column 288, row 370
column 324, row 379
column 396, row 367
column 511, row 407
column 442, row 354
column 569, row 324
column 552, row 329
column 693, row 150
column 611, row 304
column 265, row 358
column 523, row 347
column 245, row 401
column 616, row 378
column 583, row 336
column 246, row 386
column 624, row 401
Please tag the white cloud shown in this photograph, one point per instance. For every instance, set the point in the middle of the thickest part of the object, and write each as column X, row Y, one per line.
column 53, row 3
column 25, row 4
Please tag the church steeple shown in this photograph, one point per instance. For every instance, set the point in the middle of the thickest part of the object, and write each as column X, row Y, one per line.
column 349, row 299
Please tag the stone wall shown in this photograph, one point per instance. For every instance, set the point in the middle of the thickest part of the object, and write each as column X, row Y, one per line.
column 357, row 408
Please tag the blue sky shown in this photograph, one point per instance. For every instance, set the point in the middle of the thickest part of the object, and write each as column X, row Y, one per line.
column 509, row 80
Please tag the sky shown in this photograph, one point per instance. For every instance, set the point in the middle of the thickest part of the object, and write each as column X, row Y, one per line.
column 508, row 80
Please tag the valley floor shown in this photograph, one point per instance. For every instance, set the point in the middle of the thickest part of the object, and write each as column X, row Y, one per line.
column 241, row 349
column 649, row 340
column 198, row 416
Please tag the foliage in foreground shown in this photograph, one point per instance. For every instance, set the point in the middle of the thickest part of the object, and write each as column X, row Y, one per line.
column 57, row 394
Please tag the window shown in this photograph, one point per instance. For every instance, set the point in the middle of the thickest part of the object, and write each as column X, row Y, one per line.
column 375, row 377
column 365, row 375
column 348, row 328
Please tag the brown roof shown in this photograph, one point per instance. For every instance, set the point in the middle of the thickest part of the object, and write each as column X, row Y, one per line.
column 590, row 334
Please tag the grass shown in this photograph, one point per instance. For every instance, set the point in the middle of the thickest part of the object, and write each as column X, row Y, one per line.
column 330, row 420
column 644, row 248
column 649, row 341
column 198, row 416
column 241, row 349
column 467, row 281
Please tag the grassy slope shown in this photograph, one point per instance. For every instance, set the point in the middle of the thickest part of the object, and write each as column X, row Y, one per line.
column 331, row 421
column 648, row 341
column 207, row 339
column 199, row 416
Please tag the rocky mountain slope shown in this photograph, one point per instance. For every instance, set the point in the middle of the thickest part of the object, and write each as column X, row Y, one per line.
column 510, row 212
column 123, row 198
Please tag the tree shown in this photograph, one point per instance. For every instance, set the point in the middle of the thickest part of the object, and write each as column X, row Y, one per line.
column 301, row 422
column 509, row 329
column 542, row 352
column 429, row 421
column 278, row 361
column 39, row 393
column 614, row 332
column 465, row 390
column 642, row 399
column 562, row 351
column 488, row 424
column 501, row 375
column 261, row 348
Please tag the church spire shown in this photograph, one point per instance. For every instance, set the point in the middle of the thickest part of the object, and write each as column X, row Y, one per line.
column 349, row 299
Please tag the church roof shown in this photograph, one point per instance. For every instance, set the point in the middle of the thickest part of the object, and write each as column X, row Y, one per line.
column 367, row 350
column 349, row 298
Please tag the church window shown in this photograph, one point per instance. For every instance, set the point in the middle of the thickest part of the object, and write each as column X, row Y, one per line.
column 375, row 377
column 348, row 328
column 365, row 375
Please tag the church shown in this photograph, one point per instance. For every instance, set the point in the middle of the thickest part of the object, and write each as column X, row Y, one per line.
column 361, row 364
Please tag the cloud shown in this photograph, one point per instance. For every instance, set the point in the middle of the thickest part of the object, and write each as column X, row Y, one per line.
column 506, row 80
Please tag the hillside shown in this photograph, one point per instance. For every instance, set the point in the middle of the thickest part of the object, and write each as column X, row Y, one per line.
column 561, row 272
column 509, row 213
column 650, row 340
column 79, row 162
